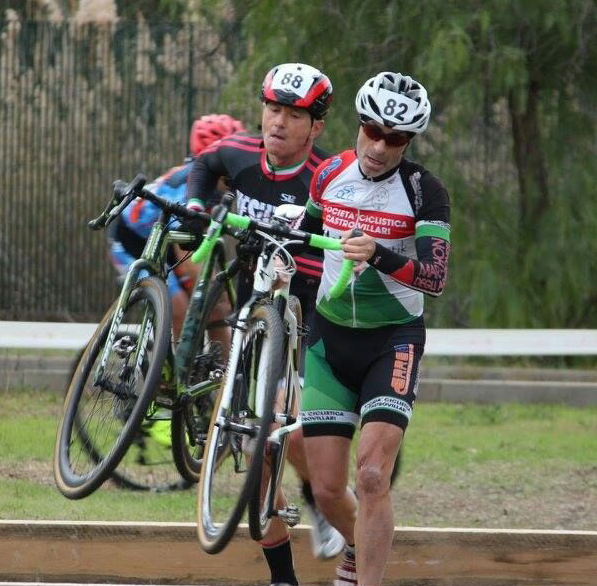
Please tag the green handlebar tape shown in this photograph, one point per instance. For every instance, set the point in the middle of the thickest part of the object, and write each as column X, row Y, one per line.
column 206, row 247
column 343, row 280
column 325, row 242
column 237, row 221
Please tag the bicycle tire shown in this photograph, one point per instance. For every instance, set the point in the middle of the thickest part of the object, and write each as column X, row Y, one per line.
column 257, row 368
column 190, row 422
column 150, row 466
column 112, row 412
column 259, row 522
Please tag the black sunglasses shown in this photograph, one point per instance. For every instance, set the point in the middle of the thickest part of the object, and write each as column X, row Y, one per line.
column 392, row 139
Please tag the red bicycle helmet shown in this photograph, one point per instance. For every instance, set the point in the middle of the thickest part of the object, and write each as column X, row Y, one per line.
column 298, row 85
column 210, row 128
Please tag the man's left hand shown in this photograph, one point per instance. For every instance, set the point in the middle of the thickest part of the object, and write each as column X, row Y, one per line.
column 358, row 248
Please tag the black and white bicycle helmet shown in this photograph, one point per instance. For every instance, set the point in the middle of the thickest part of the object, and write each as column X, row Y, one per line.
column 394, row 100
column 298, row 85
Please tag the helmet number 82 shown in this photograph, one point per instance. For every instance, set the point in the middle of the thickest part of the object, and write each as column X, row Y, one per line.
column 391, row 107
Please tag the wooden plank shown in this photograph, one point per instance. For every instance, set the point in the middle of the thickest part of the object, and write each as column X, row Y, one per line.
column 169, row 553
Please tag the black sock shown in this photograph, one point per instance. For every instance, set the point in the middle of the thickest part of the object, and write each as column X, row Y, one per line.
column 307, row 493
column 279, row 560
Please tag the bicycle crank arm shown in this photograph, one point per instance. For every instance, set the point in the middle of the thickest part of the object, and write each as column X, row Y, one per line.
column 291, row 515
column 236, row 428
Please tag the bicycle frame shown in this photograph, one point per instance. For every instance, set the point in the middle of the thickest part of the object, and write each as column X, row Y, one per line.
column 152, row 261
column 182, row 354
column 264, row 278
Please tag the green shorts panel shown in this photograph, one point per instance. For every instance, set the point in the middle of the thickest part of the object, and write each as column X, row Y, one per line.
column 334, row 410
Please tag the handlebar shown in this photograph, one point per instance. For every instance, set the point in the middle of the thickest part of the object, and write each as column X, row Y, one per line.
column 124, row 193
column 220, row 217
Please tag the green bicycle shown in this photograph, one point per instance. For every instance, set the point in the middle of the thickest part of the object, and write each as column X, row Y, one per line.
column 130, row 374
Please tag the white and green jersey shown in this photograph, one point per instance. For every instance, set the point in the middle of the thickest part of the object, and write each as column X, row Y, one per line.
column 407, row 212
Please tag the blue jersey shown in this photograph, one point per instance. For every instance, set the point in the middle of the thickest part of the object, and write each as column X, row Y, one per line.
column 141, row 214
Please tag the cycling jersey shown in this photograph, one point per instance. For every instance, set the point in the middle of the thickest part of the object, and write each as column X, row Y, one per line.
column 141, row 214
column 406, row 211
column 259, row 189
column 365, row 347
column 128, row 234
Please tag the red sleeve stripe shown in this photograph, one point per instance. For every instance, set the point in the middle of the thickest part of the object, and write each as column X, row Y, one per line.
column 234, row 145
column 308, row 271
column 308, row 261
column 405, row 274
column 255, row 140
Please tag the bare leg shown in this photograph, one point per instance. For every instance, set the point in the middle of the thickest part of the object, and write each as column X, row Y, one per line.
column 378, row 447
column 327, row 458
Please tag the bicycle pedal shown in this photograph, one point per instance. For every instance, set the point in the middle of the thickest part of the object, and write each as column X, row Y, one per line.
column 216, row 375
column 291, row 515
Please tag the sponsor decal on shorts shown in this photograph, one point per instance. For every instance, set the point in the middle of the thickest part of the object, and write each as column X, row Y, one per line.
column 329, row 416
column 388, row 403
column 403, row 364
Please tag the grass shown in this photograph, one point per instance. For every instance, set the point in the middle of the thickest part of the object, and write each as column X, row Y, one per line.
column 474, row 465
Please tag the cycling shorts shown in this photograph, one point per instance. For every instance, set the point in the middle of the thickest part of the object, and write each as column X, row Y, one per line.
column 122, row 260
column 360, row 373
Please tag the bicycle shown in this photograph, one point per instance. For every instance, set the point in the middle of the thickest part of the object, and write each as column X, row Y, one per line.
column 148, row 464
column 255, row 408
column 129, row 372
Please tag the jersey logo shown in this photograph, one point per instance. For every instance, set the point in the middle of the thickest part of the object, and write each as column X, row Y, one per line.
column 252, row 207
column 347, row 193
column 333, row 164
column 381, row 198
column 287, row 198
column 415, row 181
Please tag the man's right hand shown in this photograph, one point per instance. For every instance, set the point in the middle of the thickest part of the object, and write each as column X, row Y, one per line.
column 290, row 212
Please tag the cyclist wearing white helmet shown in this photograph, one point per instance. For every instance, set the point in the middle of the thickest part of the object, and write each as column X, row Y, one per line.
column 365, row 347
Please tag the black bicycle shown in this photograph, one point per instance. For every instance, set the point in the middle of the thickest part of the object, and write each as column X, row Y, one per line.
column 131, row 380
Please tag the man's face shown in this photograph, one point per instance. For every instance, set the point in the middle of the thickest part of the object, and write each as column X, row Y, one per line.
column 288, row 133
column 375, row 156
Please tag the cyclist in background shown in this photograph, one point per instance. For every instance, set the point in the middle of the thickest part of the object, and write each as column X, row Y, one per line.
column 264, row 171
column 365, row 347
column 129, row 232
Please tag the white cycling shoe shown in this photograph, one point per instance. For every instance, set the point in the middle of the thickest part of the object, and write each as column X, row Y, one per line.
column 326, row 542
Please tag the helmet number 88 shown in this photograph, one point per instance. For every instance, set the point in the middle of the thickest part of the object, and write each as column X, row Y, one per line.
column 294, row 80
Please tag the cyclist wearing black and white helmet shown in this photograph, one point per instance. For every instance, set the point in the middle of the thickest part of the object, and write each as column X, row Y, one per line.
column 364, row 348
column 264, row 171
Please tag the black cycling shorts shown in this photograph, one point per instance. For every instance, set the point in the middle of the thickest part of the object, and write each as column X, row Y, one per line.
column 360, row 373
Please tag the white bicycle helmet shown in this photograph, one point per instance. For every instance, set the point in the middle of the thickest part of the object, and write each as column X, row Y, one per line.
column 394, row 100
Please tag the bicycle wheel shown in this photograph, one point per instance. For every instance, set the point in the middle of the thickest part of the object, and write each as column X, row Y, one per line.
column 274, row 460
column 190, row 422
column 147, row 464
column 106, row 403
column 241, row 417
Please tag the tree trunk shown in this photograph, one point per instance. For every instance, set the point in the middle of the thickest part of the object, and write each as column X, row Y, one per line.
column 530, row 159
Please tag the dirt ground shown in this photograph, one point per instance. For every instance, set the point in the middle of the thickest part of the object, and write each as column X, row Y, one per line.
column 564, row 500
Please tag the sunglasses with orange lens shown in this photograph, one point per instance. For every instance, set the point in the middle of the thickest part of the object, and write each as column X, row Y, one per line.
column 392, row 139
